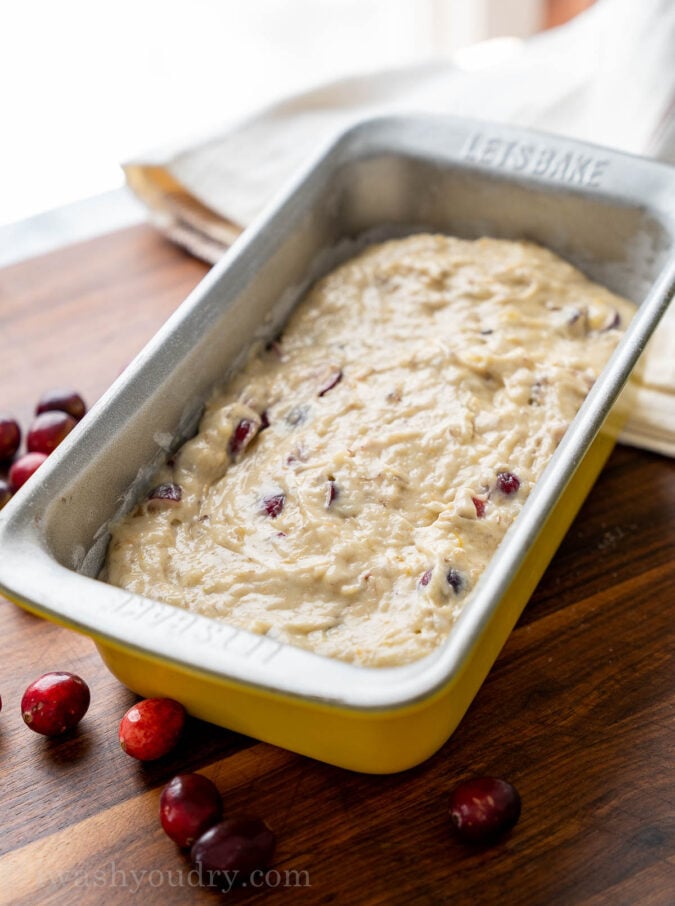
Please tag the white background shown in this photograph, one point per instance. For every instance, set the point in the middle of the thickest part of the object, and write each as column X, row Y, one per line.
column 85, row 85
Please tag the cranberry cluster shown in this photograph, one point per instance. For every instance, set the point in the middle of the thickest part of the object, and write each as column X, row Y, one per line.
column 191, row 814
column 56, row 414
column 191, row 809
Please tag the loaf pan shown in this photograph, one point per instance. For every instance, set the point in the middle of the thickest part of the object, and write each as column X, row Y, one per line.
column 609, row 214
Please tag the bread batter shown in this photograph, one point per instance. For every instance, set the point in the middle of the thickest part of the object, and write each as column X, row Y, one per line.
column 347, row 489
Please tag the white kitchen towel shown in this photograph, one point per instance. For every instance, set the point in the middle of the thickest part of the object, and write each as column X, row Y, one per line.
column 608, row 77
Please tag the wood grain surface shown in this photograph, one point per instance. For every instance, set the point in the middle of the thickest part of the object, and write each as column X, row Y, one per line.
column 577, row 711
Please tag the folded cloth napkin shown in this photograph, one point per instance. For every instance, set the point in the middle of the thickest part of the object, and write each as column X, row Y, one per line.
column 608, row 76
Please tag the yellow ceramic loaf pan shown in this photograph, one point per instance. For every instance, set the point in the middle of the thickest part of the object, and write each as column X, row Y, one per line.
column 610, row 214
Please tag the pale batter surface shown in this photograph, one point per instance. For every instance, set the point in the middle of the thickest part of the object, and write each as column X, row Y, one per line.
column 344, row 492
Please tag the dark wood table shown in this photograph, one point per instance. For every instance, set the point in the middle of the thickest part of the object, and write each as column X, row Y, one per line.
column 577, row 711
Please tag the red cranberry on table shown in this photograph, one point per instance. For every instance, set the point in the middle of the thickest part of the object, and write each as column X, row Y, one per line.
column 48, row 430
column 22, row 469
column 10, row 436
column 241, row 844
column 55, row 703
column 63, row 400
column 483, row 808
column 151, row 728
column 189, row 805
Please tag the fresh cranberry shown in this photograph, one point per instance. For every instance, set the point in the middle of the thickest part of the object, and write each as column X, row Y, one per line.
column 455, row 580
column 151, row 728
column 480, row 506
column 5, row 492
column 508, row 483
column 48, row 430
column 483, row 808
column 10, row 436
column 242, row 436
column 22, row 469
column 238, row 846
column 273, row 505
column 62, row 400
column 331, row 381
column 54, row 703
column 189, row 805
